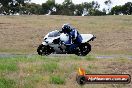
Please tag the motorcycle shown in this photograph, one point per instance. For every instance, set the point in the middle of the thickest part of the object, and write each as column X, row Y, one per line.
column 54, row 42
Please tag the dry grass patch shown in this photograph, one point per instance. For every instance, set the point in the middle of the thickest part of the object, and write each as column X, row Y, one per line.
column 23, row 34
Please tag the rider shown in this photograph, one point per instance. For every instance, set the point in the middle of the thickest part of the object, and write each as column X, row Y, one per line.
column 75, row 38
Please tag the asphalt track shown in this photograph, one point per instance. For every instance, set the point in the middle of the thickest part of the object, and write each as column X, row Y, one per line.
column 6, row 55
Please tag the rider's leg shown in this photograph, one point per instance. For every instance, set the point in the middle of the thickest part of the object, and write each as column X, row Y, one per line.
column 73, row 47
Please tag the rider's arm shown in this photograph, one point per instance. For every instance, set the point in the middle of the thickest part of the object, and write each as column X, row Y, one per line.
column 74, row 34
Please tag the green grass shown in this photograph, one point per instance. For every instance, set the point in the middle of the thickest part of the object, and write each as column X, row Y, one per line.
column 50, row 67
column 45, row 72
column 90, row 58
column 7, row 83
column 8, row 64
column 32, row 80
column 8, row 67
column 57, row 80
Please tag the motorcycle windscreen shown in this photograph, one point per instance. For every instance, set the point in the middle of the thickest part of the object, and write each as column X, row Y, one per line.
column 54, row 34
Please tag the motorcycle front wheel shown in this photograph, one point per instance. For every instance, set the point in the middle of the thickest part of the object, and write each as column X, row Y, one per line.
column 83, row 49
column 44, row 50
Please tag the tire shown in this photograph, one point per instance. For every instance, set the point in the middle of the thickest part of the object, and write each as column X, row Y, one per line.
column 81, row 80
column 44, row 50
column 83, row 49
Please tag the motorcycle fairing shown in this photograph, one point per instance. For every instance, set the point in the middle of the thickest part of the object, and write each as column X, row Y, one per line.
column 87, row 37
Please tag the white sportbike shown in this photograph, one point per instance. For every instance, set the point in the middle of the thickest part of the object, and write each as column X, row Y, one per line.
column 54, row 42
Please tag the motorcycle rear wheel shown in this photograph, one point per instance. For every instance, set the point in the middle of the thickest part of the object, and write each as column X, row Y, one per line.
column 83, row 49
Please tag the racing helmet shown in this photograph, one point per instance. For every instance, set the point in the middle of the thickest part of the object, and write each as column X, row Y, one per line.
column 66, row 28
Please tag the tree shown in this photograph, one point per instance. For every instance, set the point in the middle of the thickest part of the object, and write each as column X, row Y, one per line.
column 8, row 7
column 124, row 9
column 67, row 7
column 50, row 3
column 32, row 9
column 78, row 10
column 116, row 10
column 12, row 6
column 48, row 6
column 87, row 8
column 45, row 8
column 108, row 3
column 127, row 8
column 95, row 5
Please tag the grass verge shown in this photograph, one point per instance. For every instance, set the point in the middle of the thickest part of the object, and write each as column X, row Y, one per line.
column 57, row 80
column 45, row 72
